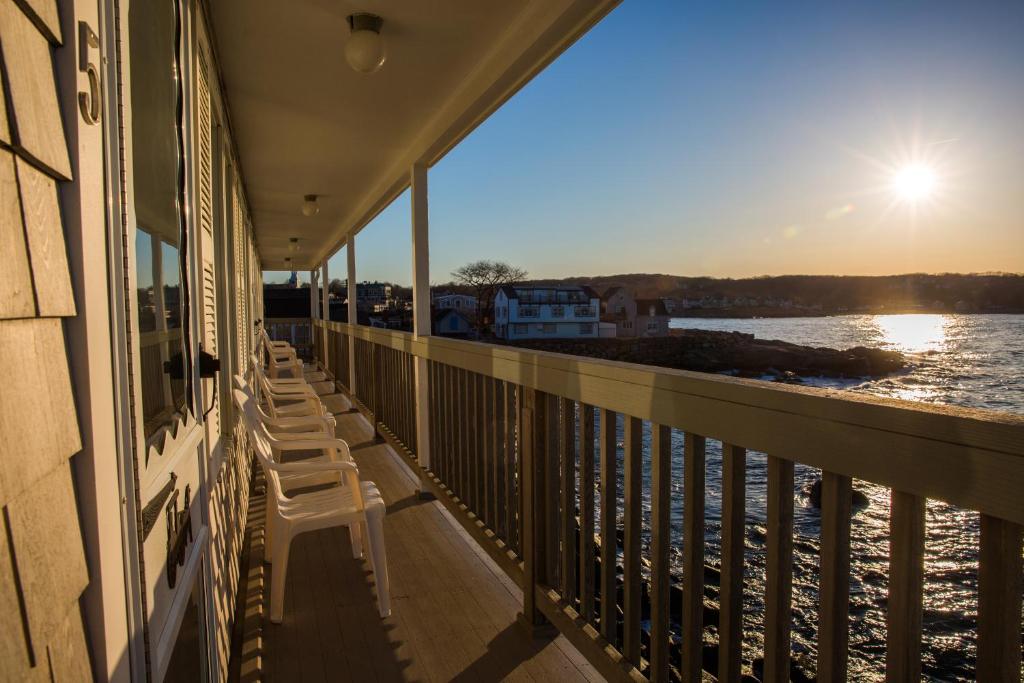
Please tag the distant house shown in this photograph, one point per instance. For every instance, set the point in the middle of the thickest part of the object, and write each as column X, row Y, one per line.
column 634, row 317
column 458, row 302
column 546, row 312
column 450, row 322
column 651, row 318
column 618, row 306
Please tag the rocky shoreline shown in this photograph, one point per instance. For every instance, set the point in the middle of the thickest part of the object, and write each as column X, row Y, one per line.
column 734, row 353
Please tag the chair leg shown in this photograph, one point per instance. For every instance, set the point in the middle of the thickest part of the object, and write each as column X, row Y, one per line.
column 379, row 560
column 278, row 575
column 355, row 532
column 269, row 518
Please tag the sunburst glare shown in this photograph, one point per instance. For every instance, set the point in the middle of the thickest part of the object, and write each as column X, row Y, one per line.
column 915, row 182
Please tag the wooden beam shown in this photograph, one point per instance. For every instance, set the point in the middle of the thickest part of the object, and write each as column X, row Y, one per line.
column 693, row 557
column 834, row 590
column 586, row 572
column 906, row 588
column 734, row 498
column 567, row 498
column 779, row 571
column 609, row 541
column 633, row 510
column 999, row 600
column 661, row 542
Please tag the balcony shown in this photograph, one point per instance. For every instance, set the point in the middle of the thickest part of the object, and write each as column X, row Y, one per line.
column 514, row 445
column 454, row 610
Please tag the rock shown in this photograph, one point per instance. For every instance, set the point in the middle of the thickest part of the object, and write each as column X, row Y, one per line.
column 733, row 353
column 813, row 493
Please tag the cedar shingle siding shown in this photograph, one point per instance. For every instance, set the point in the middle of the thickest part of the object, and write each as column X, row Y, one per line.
column 42, row 561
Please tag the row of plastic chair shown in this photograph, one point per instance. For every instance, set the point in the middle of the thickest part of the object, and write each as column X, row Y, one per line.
column 312, row 481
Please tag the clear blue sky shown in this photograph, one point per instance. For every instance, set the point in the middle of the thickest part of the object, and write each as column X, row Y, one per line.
column 737, row 139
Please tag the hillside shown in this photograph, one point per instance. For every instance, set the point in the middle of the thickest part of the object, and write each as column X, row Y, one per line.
column 823, row 294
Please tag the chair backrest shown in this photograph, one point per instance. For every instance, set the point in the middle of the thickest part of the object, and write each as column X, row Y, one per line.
column 263, row 443
column 258, row 437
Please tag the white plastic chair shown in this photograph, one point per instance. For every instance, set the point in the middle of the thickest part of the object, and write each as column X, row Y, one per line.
column 283, row 361
column 357, row 505
column 286, row 397
column 284, row 426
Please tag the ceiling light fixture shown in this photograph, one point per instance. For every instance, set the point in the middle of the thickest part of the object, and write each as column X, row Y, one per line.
column 293, row 244
column 309, row 206
column 364, row 50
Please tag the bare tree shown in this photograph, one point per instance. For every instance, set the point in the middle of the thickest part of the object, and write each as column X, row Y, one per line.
column 486, row 278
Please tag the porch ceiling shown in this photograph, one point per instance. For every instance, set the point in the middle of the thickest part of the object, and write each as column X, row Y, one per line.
column 305, row 123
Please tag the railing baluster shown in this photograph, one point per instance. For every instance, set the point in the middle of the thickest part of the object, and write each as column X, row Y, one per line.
column 480, row 487
column 477, row 443
column 693, row 554
column 734, row 501
column 500, row 519
column 834, row 590
column 551, row 490
column 609, row 608
column 906, row 588
column 779, row 571
column 531, row 420
column 567, row 499
column 586, row 571
column 999, row 600
column 463, row 420
column 632, row 517
column 513, row 460
column 661, row 541
column 488, row 438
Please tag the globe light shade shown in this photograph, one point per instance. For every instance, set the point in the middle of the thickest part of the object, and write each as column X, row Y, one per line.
column 364, row 50
column 309, row 206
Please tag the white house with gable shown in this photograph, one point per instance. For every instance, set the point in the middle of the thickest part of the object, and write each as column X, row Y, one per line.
column 546, row 312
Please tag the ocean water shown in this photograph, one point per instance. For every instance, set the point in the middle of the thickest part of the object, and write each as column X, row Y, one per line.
column 966, row 360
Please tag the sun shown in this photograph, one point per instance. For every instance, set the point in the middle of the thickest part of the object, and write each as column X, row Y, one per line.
column 914, row 182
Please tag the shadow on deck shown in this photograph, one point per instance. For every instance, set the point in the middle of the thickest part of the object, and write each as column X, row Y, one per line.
column 453, row 610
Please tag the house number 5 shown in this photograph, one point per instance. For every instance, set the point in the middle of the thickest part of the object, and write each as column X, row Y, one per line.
column 89, row 102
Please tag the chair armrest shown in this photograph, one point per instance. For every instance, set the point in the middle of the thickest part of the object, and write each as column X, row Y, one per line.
column 288, row 391
column 298, row 436
column 286, row 381
column 309, row 407
column 299, row 421
column 308, row 444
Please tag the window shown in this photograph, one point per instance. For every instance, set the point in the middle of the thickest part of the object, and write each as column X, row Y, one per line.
column 586, row 328
column 652, row 326
column 584, row 311
column 159, row 222
column 519, row 328
column 620, row 309
column 558, row 311
column 527, row 311
column 549, row 328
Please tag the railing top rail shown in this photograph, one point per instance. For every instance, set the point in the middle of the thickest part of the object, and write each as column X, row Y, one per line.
column 968, row 457
column 286, row 321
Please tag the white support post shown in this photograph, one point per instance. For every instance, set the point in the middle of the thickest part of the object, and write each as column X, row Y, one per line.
column 325, row 307
column 350, row 253
column 313, row 298
column 421, row 305
column 314, row 305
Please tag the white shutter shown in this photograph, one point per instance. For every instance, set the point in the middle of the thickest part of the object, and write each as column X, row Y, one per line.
column 204, row 193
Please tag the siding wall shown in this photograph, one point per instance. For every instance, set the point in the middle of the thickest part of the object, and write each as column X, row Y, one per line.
column 42, row 561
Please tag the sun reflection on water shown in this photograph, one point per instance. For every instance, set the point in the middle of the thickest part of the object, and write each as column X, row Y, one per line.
column 912, row 333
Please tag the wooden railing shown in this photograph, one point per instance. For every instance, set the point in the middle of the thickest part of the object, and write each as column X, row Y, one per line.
column 526, row 445
column 296, row 331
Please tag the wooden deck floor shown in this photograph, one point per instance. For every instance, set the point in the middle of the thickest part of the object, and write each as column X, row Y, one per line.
column 454, row 611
